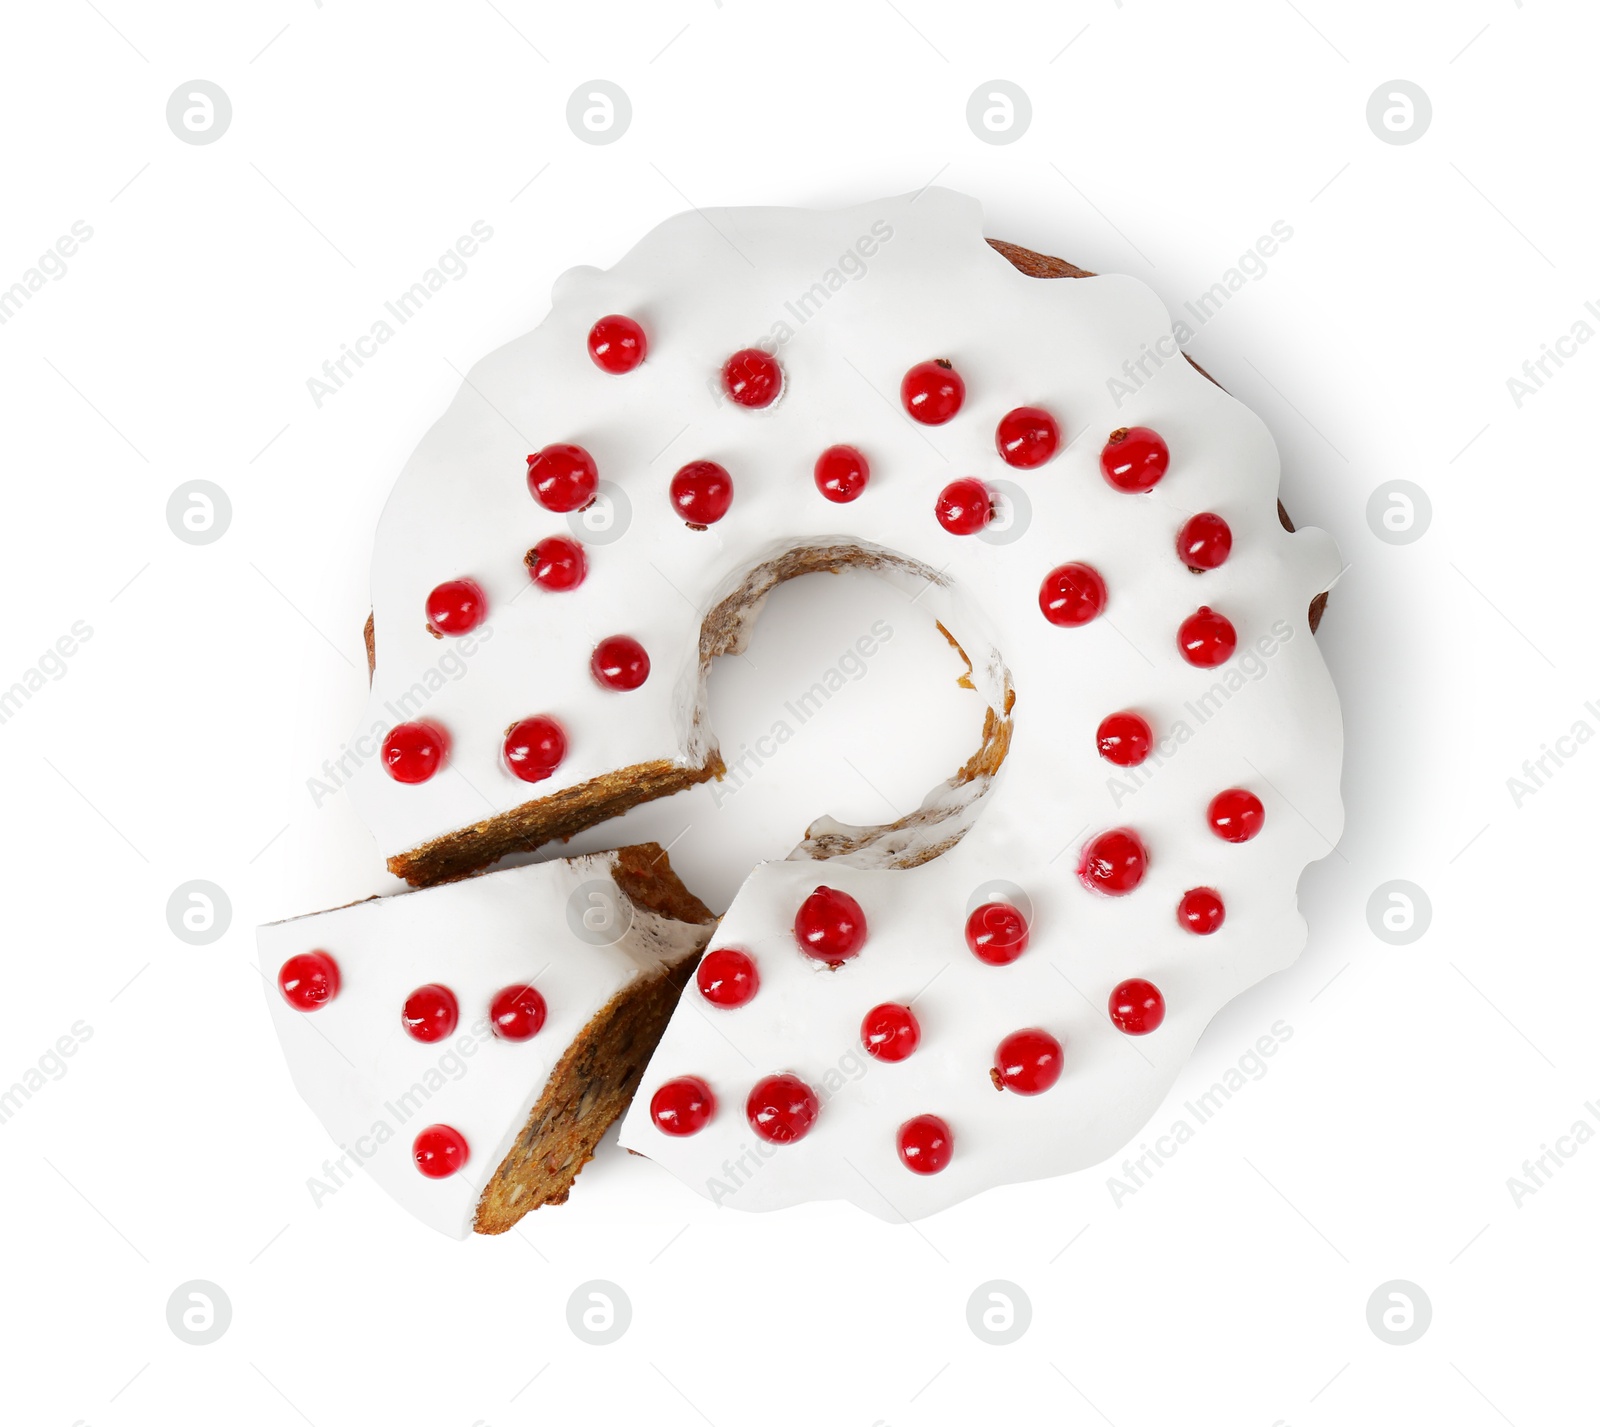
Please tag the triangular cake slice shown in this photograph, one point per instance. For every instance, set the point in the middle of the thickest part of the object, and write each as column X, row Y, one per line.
column 410, row 1027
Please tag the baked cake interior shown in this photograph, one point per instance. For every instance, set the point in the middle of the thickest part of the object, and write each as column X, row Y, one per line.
column 594, row 1081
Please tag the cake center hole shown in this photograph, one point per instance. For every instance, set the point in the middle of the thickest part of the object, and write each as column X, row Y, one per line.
column 845, row 704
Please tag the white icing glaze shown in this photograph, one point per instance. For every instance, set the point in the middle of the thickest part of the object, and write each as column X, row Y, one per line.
column 705, row 285
column 374, row 1087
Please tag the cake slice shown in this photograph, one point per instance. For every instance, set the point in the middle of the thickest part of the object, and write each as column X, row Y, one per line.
column 468, row 1045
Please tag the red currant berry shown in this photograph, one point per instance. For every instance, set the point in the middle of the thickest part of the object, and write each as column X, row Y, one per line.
column 562, row 477
column 727, row 977
column 830, row 926
column 1134, row 459
column 456, row 606
column 430, row 1013
column 964, row 507
column 413, row 752
column 535, row 747
column 924, row 1144
column 1072, row 594
column 701, row 493
column 683, row 1106
column 782, row 1109
column 1113, row 862
column 619, row 662
column 617, row 344
column 1236, row 815
column 557, row 563
column 517, row 1012
column 1200, row 911
column 841, row 473
column 309, row 981
column 752, row 378
column 890, row 1032
column 439, row 1151
column 1027, row 437
column 1124, row 739
column 997, row 933
column 1207, row 638
column 1136, row 1007
column 1205, row 541
column 932, row 392
column 1028, row 1062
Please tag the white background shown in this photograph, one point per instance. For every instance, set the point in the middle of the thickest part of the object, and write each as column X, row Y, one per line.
column 1166, row 137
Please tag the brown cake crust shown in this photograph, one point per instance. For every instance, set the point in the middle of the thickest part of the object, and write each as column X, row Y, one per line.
column 1025, row 260
column 593, row 1083
column 573, row 810
column 643, row 873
